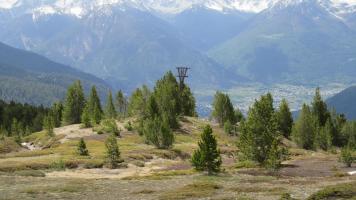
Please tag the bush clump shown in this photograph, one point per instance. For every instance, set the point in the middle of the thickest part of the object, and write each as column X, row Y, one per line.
column 341, row 191
column 346, row 156
column 108, row 126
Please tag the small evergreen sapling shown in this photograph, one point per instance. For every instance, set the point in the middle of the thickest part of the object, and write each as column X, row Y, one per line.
column 207, row 157
column 346, row 156
column 112, row 152
column 48, row 124
column 82, row 148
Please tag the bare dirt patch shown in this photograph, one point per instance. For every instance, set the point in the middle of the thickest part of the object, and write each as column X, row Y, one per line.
column 132, row 170
column 72, row 132
column 316, row 165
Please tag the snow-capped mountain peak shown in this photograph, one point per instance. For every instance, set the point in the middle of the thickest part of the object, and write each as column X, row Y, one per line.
column 81, row 7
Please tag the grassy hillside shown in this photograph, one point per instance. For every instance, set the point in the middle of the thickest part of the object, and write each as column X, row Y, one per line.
column 150, row 173
column 31, row 78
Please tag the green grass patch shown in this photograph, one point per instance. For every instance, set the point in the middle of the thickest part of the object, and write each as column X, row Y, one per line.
column 191, row 191
column 33, row 153
column 67, row 188
column 33, row 173
column 42, row 139
column 340, row 191
column 257, row 189
column 260, row 179
column 246, row 164
column 161, row 175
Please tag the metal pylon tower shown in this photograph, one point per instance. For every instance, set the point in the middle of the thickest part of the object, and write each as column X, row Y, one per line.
column 182, row 74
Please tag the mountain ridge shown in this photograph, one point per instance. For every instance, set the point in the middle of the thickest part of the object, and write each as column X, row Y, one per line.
column 79, row 7
column 37, row 80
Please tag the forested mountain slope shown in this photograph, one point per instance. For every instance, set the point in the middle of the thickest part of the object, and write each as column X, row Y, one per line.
column 31, row 78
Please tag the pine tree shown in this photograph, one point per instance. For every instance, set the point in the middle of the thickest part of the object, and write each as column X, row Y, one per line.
column 121, row 104
column 238, row 115
column 228, row 128
column 259, row 130
column 276, row 155
column 57, row 110
column 110, row 126
column 285, row 119
column 223, row 109
column 338, row 121
column 82, row 148
column 112, row 152
column 187, row 102
column 152, row 110
column 346, row 156
column 324, row 136
column 110, row 111
column 48, row 124
column 349, row 135
column 166, row 93
column 304, row 129
column 137, row 103
column 207, row 157
column 319, row 109
column 158, row 132
column 85, row 119
column 16, row 131
column 95, row 106
column 74, row 104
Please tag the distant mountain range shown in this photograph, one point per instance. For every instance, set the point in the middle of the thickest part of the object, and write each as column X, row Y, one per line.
column 30, row 78
column 224, row 42
column 301, row 42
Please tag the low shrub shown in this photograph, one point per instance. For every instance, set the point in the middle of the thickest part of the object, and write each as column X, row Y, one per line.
column 93, row 164
column 341, row 191
column 347, row 156
column 58, row 165
column 128, row 126
column 108, row 126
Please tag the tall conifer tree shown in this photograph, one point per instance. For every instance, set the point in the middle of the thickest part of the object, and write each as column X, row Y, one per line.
column 121, row 103
column 168, row 100
column 259, row 130
column 320, row 109
column 94, row 105
column 285, row 119
column 74, row 103
column 305, row 128
column 223, row 110
column 110, row 110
